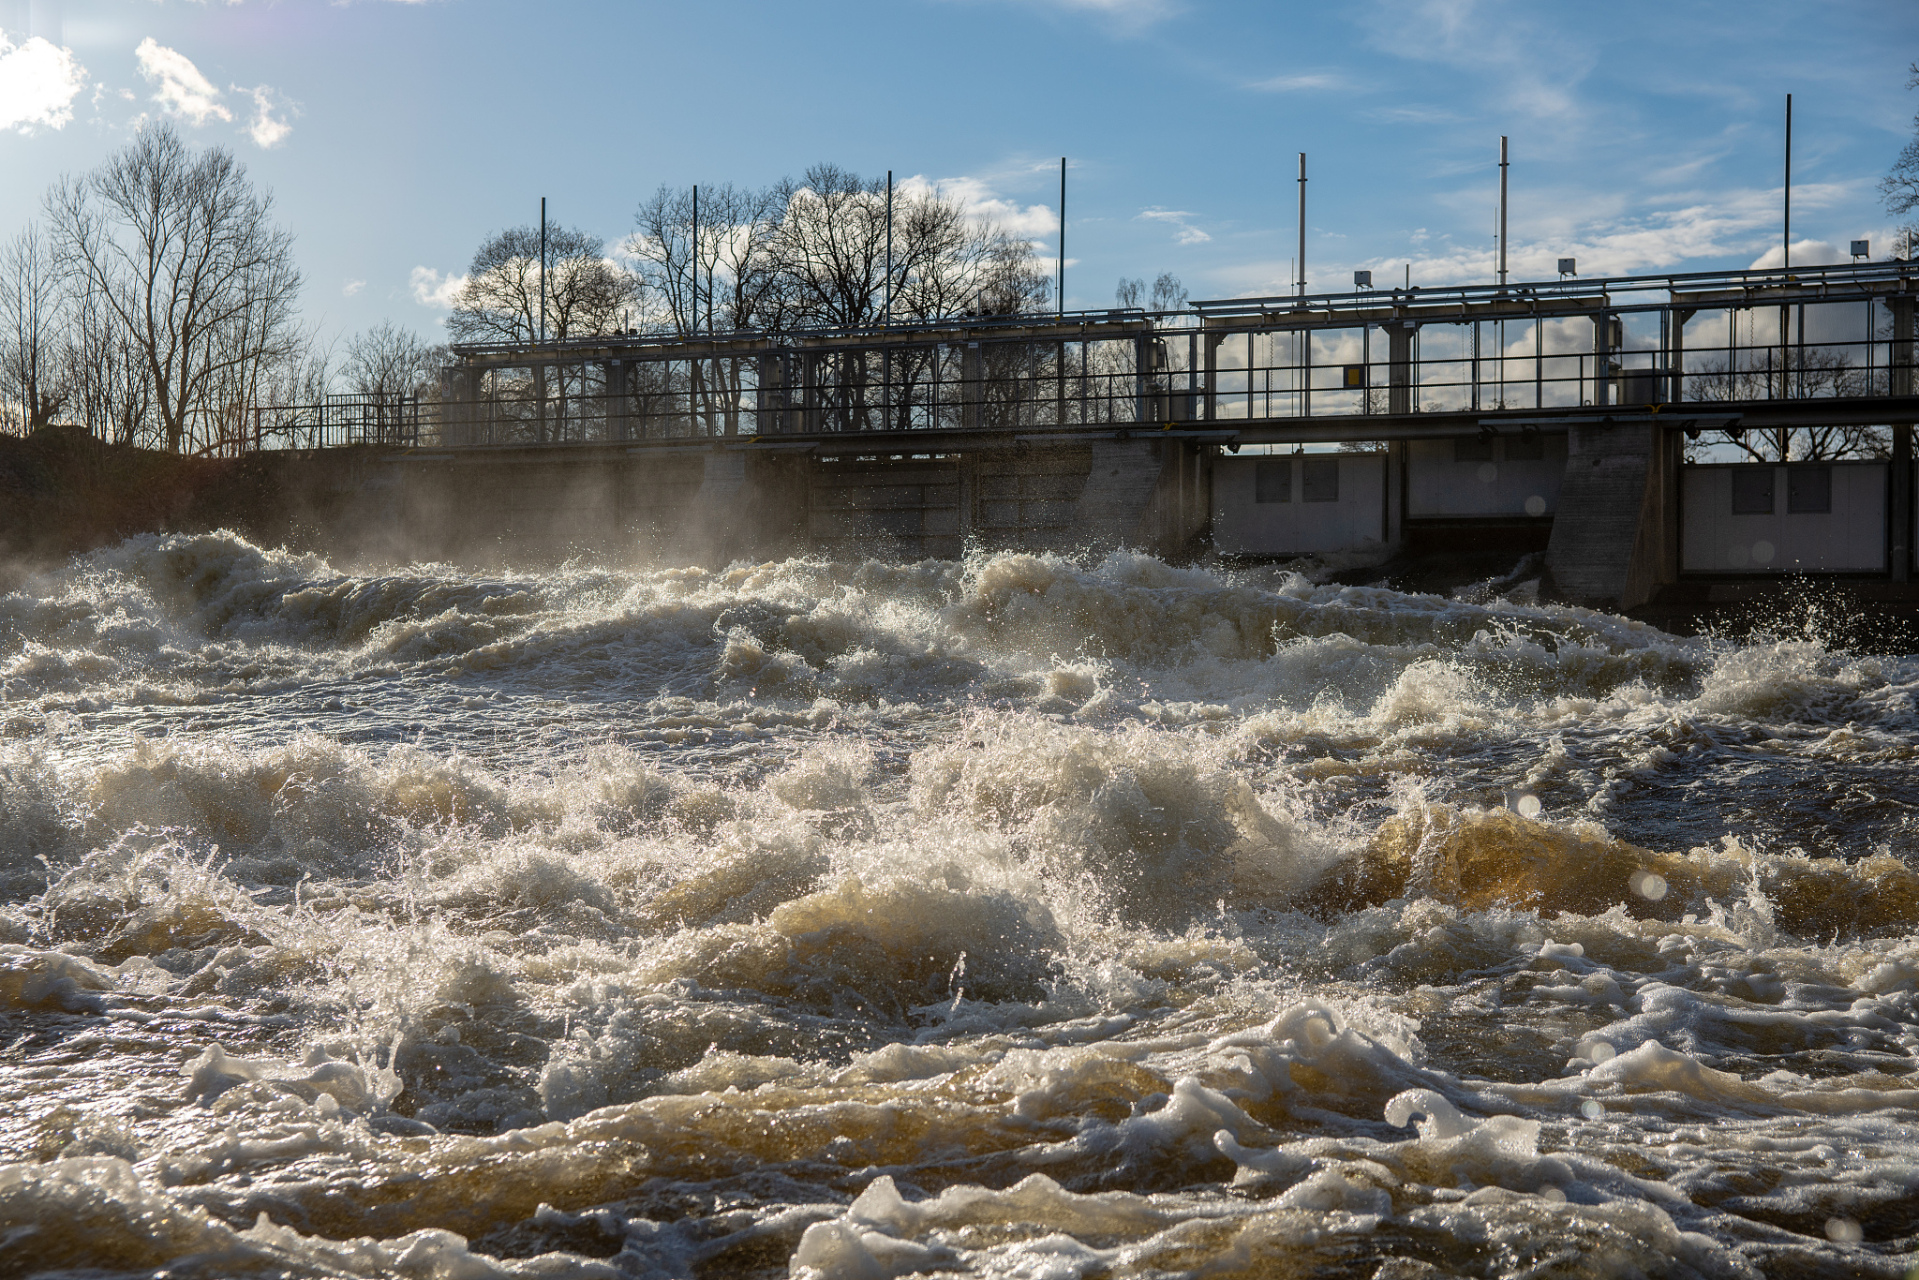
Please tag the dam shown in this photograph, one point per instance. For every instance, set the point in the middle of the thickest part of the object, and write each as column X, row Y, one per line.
column 1554, row 417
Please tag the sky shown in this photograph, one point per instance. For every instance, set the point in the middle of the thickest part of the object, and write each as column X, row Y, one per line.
column 396, row 135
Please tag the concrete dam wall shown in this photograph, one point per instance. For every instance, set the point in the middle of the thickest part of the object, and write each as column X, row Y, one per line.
column 712, row 504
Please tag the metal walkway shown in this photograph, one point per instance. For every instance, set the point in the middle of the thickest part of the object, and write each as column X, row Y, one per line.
column 1714, row 350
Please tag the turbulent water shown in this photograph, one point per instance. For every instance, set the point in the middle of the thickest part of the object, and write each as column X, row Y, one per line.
column 1021, row 917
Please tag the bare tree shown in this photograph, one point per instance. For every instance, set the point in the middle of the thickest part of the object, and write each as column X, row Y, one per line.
column 507, row 297
column 387, row 362
column 113, row 396
column 179, row 251
column 1168, row 293
column 1797, row 375
column 731, row 283
column 34, row 382
column 831, row 241
column 1128, row 293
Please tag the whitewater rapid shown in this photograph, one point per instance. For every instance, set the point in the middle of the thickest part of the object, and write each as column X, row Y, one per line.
column 1024, row 916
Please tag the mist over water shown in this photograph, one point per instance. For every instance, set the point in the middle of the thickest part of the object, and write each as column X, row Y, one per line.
column 1022, row 917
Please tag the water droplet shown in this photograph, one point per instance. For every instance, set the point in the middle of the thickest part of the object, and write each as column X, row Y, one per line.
column 1648, row 885
column 1488, row 472
column 1527, row 806
column 1762, row 552
column 1844, row 1231
column 1592, row 1108
column 1553, row 1194
column 1535, row 506
column 1600, row 1051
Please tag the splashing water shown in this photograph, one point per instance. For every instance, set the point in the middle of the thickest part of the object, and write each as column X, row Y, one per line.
column 1014, row 917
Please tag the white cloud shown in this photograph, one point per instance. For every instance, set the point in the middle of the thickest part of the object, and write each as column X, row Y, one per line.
column 179, row 86
column 352, row 287
column 1518, row 56
column 1129, row 15
column 1738, row 225
column 1806, row 253
column 1188, row 233
column 1412, row 113
column 980, row 200
column 267, row 130
column 1301, row 82
column 431, row 289
column 1734, row 224
column 38, row 83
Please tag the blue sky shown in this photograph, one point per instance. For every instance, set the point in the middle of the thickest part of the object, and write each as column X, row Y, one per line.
column 395, row 136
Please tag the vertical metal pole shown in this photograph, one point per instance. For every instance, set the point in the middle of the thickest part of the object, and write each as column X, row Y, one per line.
column 1249, row 376
column 1602, row 358
column 1679, row 319
column 1802, row 350
column 1305, row 371
column 1059, row 287
column 1899, row 382
column 1301, row 282
column 887, row 320
column 1502, row 211
column 1787, row 247
column 694, row 258
column 1366, row 363
column 542, row 268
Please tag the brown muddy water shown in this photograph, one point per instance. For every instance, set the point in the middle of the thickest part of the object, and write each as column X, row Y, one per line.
column 1020, row 917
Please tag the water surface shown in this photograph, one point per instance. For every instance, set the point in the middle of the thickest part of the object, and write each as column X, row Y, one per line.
column 1020, row 917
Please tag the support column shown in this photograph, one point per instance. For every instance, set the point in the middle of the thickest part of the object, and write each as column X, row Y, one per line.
column 1672, row 463
column 1399, row 367
column 1602, row 358
column 1210, row 405
column 1899, row 506
column 769, row 397
column 972, row 376
column 809, row 390
column 1606, row 547
column 1899, row 511
column 619, row 402
column 1678, row 357
column 456, row 407
column 1149, row 359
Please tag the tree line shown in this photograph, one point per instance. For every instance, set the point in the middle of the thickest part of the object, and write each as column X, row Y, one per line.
column 829, row 248
column 158, row 302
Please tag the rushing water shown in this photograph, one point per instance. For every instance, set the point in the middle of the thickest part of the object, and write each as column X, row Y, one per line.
column 1019, row 917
